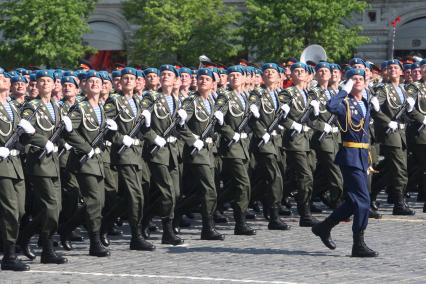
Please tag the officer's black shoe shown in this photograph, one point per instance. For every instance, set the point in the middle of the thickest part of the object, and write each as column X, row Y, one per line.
column 139, row 243
column 66, row 243
column 315, row 208
column 374, row 205
column 219, row 217
column 374, row 214
column 323, row 230
column 10, row 261
column 114, row 231
column 308, row 221
column 275, row 223
column 250, row 215
column 208, row 232
column 48, row 255
column 152, row 227
column 360, row 249
column 76, row 237
column 244, row 229
column 402, row 210
column 184, row 222
column 104, row 239
column 26, row 248
column 146, row 232
column 96, row 248
column 169, row 236
column 284, row 211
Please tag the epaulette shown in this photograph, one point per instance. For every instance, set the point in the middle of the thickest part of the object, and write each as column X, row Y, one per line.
column 114, row 95
column 412, row 89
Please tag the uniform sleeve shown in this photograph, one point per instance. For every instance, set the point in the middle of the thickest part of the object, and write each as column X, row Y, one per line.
column 259, row 129
column 225, row 130
column 74, row 138
column 184, row 132
column 111, row 112
column 286, row 97
column 148, row 133
column 379, row 116
column 35, row 139
column 336, row 106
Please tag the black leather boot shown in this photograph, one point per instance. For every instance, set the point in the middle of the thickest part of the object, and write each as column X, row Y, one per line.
column 10, row 261
column 169, row 236
column 96, row 248
column 400, row 207
column 360, row 249
column 138, row 242
column 323, row 230
column 66, row 242
column 306, row 218
column 275, row 223
column 374, row 214
column 241, row 227
column 209, row 232
column 48, row 254
column 24, row 244
column 219, row 217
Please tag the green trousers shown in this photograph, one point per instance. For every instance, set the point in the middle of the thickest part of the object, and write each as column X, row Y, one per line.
column 395, row 169
column 12, row 207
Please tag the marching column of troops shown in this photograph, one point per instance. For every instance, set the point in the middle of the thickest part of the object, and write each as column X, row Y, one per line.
column 91, row 149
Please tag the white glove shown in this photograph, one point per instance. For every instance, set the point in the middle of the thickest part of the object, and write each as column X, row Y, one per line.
column 411, row 102
column 4, row 152
column 375, row 103
column 335, row 129
column 26, row 125
column 68, row 124
column 111, row 124
column 348, row 86
column 424, row 120
column 315, row 105
column 236, row 137
column 198, row 144
column 160, row 141
column 67, row 146
column 91, row 153
column 297, row 126
column 219, row 116
column 183, row 115
column 255, row 111
column 393, row 125
column 128, row 141
column 147, row 115
column 266, row 137
column 49, row 147
column 285, row 108
column 327, row 128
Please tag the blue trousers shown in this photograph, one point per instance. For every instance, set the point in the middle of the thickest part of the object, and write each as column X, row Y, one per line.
column 357, row 200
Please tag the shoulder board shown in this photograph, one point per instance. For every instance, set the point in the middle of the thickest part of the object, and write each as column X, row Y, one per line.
column 114, row 95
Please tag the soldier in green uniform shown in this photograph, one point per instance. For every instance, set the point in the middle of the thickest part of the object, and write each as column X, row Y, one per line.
column 163, row 163
column 45, row 171
column 12, row 193
column 199, row 169
column 391, row 134
column 418, row 89
column 88, row 121
column 298, row 148
column 265, row 106
column 128, row 163
column 19, row 90
column 235, row 159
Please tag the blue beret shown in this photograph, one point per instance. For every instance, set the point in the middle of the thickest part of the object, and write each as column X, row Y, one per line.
column 258, row 71
column 128, row 70
column 185, row 70
column 105, row 75
column 322, row 65
column 139, row 73
column 93, row 73
column 299, row 65
column 205, row 71
column 45, row 73
column 395, row 62
column 20, row 70
column 194, row 72
column 68, row 73
column 423, row 62
column 356, row 60
column 116, row 73
column 384, row 64
column 81, row 75
column 281, row 70
column 235, row 68
column 33, row 77
column 57, row 75
column 407, row 66
column 69, row 79
column 221, row 71
column 270, row 66
column 354, row 71
column 151, row 70
column 334, row 66
column 168, row 67
column 18, row 78
column 1, row 71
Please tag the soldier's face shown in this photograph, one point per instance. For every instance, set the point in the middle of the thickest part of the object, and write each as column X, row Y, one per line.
column 223, row 79
column 152, row 79
column 58, row 86
column 205, row 83
column 94, row 85
column 367, row 74
column 270, row 76
column 299, row 75
column 177, row 84
column 323, row 74
column 128, row 82
column 359, row 83
column 167, row 78
column 116, row 83
column 19, row 88
column 235, row 79
column 417, row 74
column 106, row 87
column 336, row 76
column 69, row 90
column 358, row 66
column 32, row 89
column 45, row 85
column 186, row 79
column 140, row 84
column 394, row 71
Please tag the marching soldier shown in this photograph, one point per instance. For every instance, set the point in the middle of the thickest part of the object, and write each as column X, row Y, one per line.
column 353, row 113
column 297, row 147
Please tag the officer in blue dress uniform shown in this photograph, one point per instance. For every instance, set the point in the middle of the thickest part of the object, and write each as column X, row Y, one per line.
column 353, row 114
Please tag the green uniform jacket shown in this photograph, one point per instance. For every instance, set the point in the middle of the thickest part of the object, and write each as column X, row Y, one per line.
column 45, row 126
column 330, row 140
column 294, row 98
column 390, row 104
column 10, row 167
column 267, row 111
column 418, row 90
column 85, row 128
column 234, row 113
column 125, row 122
